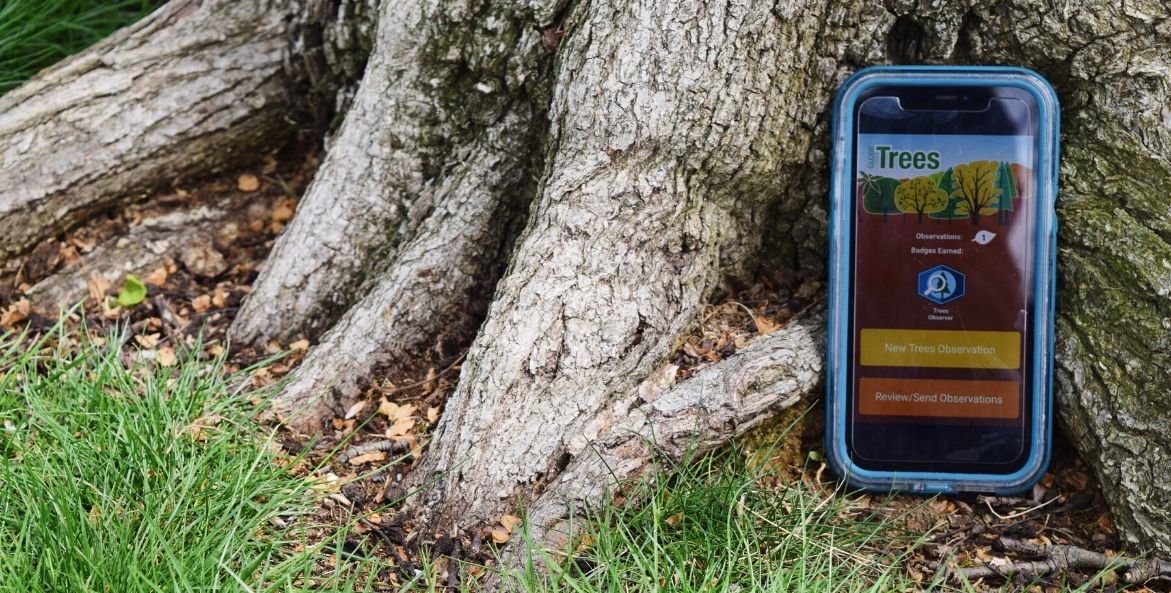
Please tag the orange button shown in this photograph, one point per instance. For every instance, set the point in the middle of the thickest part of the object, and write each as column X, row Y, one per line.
column 942, row 398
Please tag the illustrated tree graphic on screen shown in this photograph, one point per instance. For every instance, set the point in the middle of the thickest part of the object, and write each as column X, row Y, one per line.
column 950, row 211
column 878, row 197
column 978, row 190
column 920, row 195
column 1006, row 182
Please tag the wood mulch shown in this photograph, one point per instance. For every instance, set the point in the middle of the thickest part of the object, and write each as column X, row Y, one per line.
column 970, row 543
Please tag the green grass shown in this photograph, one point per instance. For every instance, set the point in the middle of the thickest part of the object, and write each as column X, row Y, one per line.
column 35, row 34
column 714, row 528
column 105, row 488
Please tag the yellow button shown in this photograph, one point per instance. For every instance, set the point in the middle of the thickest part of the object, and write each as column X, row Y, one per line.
column 940, row 348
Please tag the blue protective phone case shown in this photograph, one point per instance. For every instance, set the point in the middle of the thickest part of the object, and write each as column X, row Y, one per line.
column 1040, row 428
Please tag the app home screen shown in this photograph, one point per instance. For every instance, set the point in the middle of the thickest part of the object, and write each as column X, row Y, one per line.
column 942, row 249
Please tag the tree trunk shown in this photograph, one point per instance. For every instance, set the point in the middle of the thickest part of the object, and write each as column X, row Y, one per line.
column 657, row 188
column 666, row 145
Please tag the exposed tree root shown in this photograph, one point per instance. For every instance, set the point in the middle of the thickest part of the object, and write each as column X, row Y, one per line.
column 435, row 287
column 644, row 210
column 193, row 88
column 661, row 422
column 414, row 147
column 146, row 246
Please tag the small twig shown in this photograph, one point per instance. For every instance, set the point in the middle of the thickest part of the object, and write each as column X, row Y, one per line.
column 474, row 549
column 426, row 381
column 170, row 320
column 377, row 530
column 391, row 446
column 1055, row 558
column 988, row 503
column 453, row 564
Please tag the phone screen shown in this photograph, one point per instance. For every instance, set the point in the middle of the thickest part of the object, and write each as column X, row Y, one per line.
column 942, row 253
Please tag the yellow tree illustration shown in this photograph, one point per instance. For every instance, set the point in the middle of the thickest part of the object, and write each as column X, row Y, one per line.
column 920, row 195
column 977, row 188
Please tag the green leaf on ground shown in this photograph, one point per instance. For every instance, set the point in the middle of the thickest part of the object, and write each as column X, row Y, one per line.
column 133, row 292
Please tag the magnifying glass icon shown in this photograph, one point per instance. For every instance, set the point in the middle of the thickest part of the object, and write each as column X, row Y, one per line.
column 938, row 284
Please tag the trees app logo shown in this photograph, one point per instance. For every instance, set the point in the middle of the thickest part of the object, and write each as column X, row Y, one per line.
column 941, row 284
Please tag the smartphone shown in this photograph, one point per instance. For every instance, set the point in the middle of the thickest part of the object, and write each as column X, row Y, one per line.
column 942, row 249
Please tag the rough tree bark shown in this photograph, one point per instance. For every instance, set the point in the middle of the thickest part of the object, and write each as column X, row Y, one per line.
column 657, row 187
column 191, row 89
column 452, row 93
column 413, row 210
column 677, row 143
column 660, row 423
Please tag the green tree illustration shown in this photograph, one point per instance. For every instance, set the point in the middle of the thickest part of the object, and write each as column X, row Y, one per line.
column 950, row 210
column 947, row 182
column 879, row 196
column 920, row 195
column 1006, row 182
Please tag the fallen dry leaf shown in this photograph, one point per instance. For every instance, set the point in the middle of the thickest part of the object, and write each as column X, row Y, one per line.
column 400, row 428
column 509, row 522
column 432, row 414
column 429, row 380
column 219, row 297
column 764, row 325
column 69, row 253
column 500, row 536
column 355, row 409
column 261, row 377
column 166, row 356
column 85, row 245
column 15, row 313
column 156, row 278
column 394, row 411
column 585, row 543
column 282, row 213
column 248, row 182
column 1105, row 524
column 299, row 346
column 1078, row 480
column 148, row 341
column 201, row 303
column 367, row 458
column 97, row 286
